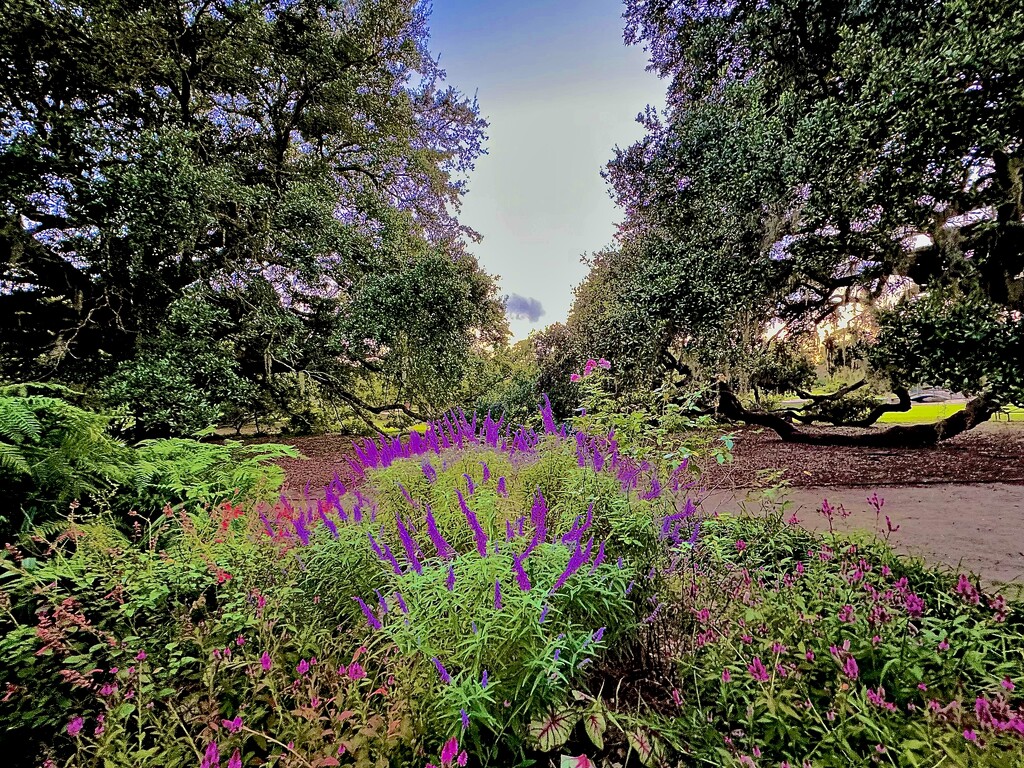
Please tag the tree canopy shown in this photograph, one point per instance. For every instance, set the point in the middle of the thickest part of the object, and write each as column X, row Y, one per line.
column 815, row 153
column 209, row 204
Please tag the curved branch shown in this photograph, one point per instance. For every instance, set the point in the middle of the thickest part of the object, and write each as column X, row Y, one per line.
column 978, row 410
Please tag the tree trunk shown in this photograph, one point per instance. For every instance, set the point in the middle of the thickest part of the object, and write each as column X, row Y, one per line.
column 897, row 436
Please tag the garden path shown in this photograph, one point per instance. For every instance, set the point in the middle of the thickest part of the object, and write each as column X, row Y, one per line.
column 977, row 526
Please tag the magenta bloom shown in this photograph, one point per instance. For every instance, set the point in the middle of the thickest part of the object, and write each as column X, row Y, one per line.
column 970, row 735
column 740, row 545
column 233, row 726
column 850, row 668
column 75, row 726
column 497, row 595
column 758, row 671
column 211, row 759
column 449, row 751
column 915, row 605
column 356, row 671
column 265, row 661
column 236, row 759
column 726, row 677
column 576, row 561
column 140, row 656
column 574, row 377
column 302, row 667
column 846, row 614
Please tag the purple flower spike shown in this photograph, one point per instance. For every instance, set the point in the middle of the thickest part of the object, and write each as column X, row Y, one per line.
column 444, row 549
column 487, row 471
column 497, row 595
column 441, row 671
column 544, row 614
column 450, row 581
column 483, row 679
column 401, row 603
column 599, row 559
column 409, row 544
column 370, row 618
column 429, row 472
column 465, row 718
column 522, row 579
column 470, row 486
column 576, row 561
column 478, row 533
column 502, row 490
column 384, row 553
column 598, row 635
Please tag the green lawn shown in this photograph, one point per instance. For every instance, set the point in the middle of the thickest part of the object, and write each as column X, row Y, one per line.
column 928, row 412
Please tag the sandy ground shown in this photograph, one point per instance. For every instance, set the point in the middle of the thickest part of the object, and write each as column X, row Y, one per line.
column 977, row 527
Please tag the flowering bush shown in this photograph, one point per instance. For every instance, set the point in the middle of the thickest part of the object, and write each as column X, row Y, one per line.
column 486, row 595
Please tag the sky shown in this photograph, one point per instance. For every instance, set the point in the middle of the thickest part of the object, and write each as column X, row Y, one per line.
column 560, row 90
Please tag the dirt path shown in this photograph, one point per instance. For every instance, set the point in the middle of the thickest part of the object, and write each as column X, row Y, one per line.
column 979, row 527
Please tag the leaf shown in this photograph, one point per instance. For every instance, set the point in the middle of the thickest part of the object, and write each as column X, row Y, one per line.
column 644, row 745
column 595, row 724
column 579, row 761
column 553, row 729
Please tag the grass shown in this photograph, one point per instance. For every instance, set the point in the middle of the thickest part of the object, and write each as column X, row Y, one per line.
column 929, row 412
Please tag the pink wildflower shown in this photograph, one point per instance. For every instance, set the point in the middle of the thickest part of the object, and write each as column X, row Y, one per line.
column 75, row 726
column 236, row 759
column 915, row 605
column 758, row 671
column 740, row 545
column 1007, row 684
column 356, row 671
column 265, row 661
column 449, row 751
column 970, row 735
column 726, row 676
column 233, row 726
column 850, row 668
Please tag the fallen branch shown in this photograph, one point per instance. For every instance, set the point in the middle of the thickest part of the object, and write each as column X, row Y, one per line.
column 978, row 410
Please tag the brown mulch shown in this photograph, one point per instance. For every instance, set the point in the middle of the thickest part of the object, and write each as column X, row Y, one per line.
column 990, row 453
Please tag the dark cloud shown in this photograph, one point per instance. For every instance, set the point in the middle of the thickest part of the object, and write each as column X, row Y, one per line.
column 524, row 308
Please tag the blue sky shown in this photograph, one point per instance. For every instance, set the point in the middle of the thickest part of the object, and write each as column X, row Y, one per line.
column 560, row 91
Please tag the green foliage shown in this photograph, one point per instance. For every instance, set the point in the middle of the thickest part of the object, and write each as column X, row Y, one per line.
column 204, row 202
column 52, row 453
column 964, row 343
column 818, row 649
column 812, row 159
column 55, row 455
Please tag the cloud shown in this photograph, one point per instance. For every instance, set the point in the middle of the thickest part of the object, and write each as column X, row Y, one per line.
column 523, row 308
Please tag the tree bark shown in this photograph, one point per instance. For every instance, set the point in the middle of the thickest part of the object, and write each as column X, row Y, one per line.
column 978, row 410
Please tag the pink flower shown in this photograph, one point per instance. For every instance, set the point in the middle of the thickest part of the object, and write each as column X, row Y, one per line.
column 239, row 640
column 809, row 655
column 574, row 377
column 356, row 671
column 778, row 649
column 943, row 645
column 602, row 363
column 1007, row 684
column 970, row 735
column 75, row 726
column 922, row 687
column 236, row 759
column 726, row 676
column 793, row 520
column 140, row 656
column 233, row 726
column 850, row 668
column 449, row 751
column 265, row 661
column 741, row 545
column 109, row 689
column 462, row 759
column 302, row 667
column 758, row 671
column 914, row 604
column 846, row 614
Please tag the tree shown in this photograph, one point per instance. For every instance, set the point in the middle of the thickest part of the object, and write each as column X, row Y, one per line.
column 294, row 166
column 819, row 152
